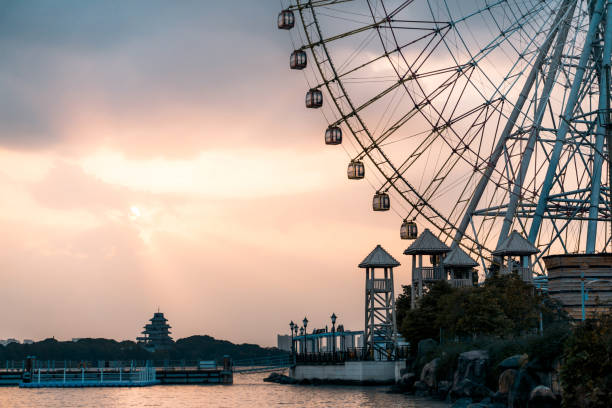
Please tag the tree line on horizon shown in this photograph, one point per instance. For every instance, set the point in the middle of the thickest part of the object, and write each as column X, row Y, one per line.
column 201, row 347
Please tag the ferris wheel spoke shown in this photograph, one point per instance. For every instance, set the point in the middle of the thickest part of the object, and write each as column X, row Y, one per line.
column 500, row 37
column 420, row 105
column 457, row 151
column 343, row 74
column 316, row 3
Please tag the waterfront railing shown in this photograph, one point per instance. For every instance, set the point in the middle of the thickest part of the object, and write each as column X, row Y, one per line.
column 20, row 365
column 352, row 354
column 102, row 377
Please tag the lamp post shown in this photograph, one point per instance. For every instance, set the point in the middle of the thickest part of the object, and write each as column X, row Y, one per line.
column 291, row 326
column 333, row 320
column 301, row 334
column 584, row 291
column 582, row 294
column 305, row 322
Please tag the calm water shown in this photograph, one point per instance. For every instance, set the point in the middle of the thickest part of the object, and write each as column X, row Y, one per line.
column 247, row 391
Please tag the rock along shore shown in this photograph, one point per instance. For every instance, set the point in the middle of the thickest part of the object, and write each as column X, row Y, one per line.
column 522, row 383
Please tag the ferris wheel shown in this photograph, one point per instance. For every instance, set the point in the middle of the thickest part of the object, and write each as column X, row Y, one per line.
column 470, row 117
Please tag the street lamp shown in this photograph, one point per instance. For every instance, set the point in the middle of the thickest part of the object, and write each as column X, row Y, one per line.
column 291, row 326
column 301, row 334
column 583, row 291
column 305, row 321
column 333, row 320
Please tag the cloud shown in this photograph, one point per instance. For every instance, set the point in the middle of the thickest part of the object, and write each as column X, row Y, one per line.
column 146, row 78
column 67, row 187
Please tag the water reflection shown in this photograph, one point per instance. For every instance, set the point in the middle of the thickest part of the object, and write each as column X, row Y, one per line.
column 247, row 391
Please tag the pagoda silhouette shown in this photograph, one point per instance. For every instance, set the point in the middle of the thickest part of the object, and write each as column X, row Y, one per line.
column 156, row 335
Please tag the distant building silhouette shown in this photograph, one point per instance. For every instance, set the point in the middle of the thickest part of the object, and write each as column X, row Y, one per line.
column 283, row 342
column 156, row 334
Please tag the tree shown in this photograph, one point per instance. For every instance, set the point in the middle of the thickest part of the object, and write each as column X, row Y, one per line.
column 472, row 312
column 503, row 306
column 421, row 323
column 520, row 301
column 402, row 303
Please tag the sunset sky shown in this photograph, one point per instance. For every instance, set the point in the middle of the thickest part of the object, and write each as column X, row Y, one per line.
column 158, row 154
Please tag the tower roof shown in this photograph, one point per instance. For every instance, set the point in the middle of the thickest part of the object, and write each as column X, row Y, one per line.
column 515, row 244
column 379, row 258
column 427, row 244
column 457, row 257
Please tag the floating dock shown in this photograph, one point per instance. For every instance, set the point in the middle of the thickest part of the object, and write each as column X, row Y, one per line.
column 138, row 377
column 40, row 374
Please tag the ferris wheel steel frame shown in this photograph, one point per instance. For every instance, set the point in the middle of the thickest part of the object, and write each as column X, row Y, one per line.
column 592, row 69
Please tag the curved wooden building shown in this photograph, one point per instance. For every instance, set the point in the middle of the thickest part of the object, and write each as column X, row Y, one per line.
column 566, row 273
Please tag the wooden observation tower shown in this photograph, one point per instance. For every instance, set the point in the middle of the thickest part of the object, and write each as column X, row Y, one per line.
column 422, row 275
column 380, row 330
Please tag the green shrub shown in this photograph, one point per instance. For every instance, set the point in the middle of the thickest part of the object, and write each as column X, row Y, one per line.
column 586, row 375
column 504, row 307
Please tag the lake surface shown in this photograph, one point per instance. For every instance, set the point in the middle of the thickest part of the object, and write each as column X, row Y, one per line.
column 247, row 391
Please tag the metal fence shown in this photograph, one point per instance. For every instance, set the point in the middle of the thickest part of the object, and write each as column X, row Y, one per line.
column 98, row 376
column 352, row 354
column 20, row 365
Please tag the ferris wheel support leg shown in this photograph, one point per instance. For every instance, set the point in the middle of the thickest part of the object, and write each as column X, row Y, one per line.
column 533, row 135
column 499, row 147
column 602, row 128
column 564, row 122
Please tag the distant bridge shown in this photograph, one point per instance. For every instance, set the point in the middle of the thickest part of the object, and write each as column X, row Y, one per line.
column 262, row 364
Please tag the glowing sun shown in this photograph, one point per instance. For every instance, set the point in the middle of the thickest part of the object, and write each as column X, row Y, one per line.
column 134, row 211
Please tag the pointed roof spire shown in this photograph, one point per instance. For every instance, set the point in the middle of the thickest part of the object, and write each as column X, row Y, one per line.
column 427, row 244
column 379, row 258
column 515, row 244
column 457, row 257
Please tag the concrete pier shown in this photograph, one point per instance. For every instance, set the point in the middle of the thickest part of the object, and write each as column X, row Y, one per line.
column 358, row 372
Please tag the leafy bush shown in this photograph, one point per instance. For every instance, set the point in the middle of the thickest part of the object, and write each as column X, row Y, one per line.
column 503, row 307
column 586, row 375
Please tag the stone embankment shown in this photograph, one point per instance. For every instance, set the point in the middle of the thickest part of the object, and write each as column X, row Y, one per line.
column 284, row 379
column 521, row 383
column 280, row 379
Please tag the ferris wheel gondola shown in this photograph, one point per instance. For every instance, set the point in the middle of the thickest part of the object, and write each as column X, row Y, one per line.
column 333, row 135
column 298, row 60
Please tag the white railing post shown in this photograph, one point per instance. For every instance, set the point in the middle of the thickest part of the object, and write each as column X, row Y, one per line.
column 64, row 374
column 82, row 374
column 101, row 375
column 120, row 372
